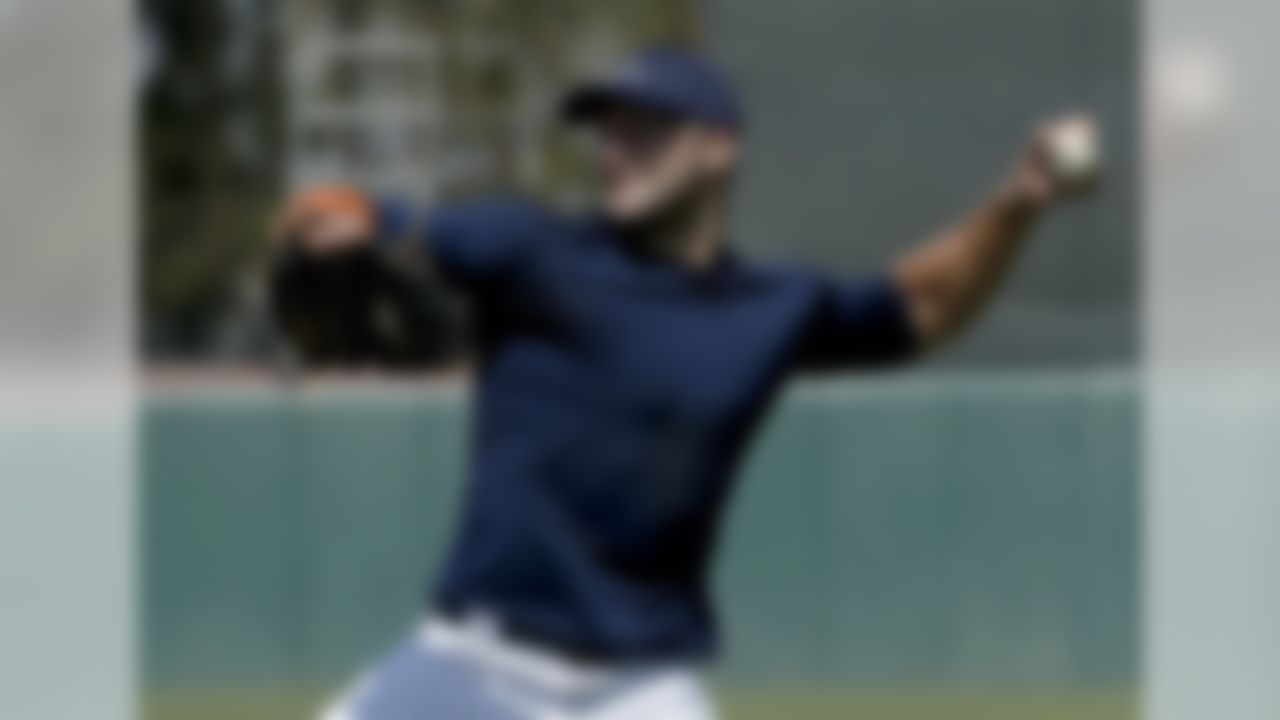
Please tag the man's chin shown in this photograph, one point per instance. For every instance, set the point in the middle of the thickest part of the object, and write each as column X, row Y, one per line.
column 631, row 220
column 641, row 217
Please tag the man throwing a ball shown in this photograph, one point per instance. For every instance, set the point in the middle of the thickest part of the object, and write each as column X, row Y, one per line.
column 625, row 360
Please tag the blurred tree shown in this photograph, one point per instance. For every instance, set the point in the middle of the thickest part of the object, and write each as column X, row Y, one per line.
column 210, row 162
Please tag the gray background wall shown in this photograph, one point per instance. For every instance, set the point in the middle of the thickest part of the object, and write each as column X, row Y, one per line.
column 874, row 122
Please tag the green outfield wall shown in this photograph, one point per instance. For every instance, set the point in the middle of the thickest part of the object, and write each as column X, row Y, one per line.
column 904, row 532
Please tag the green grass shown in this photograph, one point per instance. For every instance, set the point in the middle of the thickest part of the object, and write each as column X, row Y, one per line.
column 738, row 705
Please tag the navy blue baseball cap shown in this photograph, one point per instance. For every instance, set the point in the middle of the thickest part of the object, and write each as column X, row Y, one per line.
column 671, row 80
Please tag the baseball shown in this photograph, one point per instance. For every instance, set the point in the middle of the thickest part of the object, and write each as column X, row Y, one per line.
column 1074, row 151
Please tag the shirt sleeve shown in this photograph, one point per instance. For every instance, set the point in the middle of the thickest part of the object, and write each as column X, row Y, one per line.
column 482, row 244
column 860, row 324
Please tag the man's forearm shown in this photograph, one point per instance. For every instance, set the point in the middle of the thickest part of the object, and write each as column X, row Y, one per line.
column 947, row 281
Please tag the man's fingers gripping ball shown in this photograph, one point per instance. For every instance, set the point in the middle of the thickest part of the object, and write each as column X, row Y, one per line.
column 1073, row 152
column 1062, row 161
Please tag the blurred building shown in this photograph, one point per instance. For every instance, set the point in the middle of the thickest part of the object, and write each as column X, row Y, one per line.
column 371, row 89
column 425, row 99
column 871, row 125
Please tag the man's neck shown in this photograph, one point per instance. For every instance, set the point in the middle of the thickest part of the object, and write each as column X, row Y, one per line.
column 692, row 238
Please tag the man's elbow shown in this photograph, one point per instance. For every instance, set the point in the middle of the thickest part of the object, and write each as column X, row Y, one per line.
column 937, row 312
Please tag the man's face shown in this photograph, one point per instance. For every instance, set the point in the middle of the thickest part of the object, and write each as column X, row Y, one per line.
column 651, row 164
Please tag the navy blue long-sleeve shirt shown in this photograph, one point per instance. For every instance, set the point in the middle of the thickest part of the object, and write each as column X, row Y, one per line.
column 616, row 395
